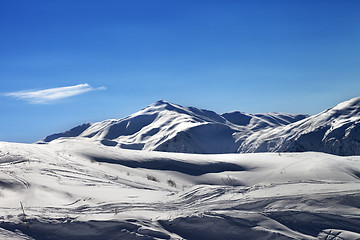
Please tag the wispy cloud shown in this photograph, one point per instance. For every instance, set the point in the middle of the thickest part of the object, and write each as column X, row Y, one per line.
column 52, row 94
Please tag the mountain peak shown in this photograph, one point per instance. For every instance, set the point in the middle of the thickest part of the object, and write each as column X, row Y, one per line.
column 335, row 131
column 353, row 103
column 164, row 126
column 163, row 105
column 160, row 103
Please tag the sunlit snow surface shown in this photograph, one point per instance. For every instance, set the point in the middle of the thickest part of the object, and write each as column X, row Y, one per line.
column 80, row 189
column 168, row 127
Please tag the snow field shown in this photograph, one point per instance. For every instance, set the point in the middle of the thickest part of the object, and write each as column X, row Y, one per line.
column 79, row 189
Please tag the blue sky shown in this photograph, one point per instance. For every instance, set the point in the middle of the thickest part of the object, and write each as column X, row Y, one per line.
column 115, row 57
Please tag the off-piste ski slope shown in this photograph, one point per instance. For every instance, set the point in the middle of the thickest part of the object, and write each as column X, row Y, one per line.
column 77, row 189
column 77, row 186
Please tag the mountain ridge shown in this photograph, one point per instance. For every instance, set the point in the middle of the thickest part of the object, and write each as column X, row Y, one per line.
column 168, row 127
column 335, row 131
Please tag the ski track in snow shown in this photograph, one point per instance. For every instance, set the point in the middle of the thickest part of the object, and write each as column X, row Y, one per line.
column 67, row 194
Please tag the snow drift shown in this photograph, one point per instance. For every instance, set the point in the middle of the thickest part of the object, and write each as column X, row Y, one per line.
column 77, row 188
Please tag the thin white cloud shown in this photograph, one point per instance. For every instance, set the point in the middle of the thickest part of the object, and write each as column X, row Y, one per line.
column 52, row 94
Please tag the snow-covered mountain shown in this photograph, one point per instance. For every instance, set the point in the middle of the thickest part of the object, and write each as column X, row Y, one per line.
column 262, row 120
column 335, row 130
column 168, row 127
column 81, row 184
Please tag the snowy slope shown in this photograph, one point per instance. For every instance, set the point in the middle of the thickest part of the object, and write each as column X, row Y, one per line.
column 262, row 120
column 77, row 188
column 335, row 131
column 168, row 127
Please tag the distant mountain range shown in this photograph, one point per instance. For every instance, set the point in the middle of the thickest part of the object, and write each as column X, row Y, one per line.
column 169, row 127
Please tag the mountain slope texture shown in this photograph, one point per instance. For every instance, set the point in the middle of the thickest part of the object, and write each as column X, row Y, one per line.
column 77, row 188
column 168, row 127
column 335, row 131
column 125, row 178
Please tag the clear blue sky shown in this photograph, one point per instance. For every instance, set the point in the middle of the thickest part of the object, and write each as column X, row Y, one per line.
column 294, row 56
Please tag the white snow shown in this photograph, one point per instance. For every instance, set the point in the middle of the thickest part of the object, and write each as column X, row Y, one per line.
column 335, row 131
column 77, row 188
column 93, row 182
column 168, row 127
